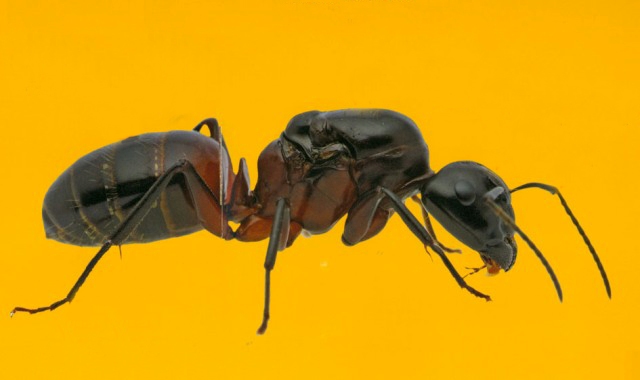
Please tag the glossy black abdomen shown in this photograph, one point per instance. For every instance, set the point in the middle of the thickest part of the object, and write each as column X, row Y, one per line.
column 90, row 199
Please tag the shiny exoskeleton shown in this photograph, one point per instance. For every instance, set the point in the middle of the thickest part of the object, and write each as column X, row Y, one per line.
column 325, row 165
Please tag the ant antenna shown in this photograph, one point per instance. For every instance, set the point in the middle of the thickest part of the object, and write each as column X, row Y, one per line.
column 489, row 198
column 553, row 190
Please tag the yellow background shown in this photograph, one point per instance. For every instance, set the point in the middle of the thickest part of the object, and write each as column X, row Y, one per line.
column 536, row 90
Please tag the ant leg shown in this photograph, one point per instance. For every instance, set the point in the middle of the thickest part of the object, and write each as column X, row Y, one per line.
column 215, row 132
column 429, row 227
column 128, row 225
column 421, row 233
column 214, row 128
column 554, row 191
column 75, row 287
column 277, row 242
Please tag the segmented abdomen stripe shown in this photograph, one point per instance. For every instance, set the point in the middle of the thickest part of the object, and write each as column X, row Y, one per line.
column 53, row 229
column 90, row 229
column 93, row 197
column 110, row 184
column 135, row 168
column 165, row 205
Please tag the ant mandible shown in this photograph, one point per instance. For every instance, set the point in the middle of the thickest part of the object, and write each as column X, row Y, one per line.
column 360, row 162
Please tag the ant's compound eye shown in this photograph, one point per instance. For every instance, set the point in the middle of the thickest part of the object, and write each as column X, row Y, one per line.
column 465, row 192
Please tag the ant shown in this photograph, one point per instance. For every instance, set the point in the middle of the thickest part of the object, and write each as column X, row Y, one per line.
column 362, row 163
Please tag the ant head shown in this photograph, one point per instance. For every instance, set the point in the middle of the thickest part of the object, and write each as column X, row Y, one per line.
column 456, row 197
column 474, row 205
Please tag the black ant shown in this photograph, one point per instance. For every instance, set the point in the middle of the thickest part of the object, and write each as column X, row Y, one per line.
column 362, row 163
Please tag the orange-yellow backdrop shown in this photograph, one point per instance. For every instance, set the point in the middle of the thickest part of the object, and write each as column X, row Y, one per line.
column 537, row 90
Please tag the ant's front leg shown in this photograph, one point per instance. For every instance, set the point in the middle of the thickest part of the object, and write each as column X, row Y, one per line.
column 429, row 227
column 421, row 233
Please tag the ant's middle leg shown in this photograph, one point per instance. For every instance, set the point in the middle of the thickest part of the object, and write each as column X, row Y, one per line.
column 277, row 242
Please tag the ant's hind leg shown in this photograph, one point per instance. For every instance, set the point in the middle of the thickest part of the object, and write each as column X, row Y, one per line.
column 134, row 218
